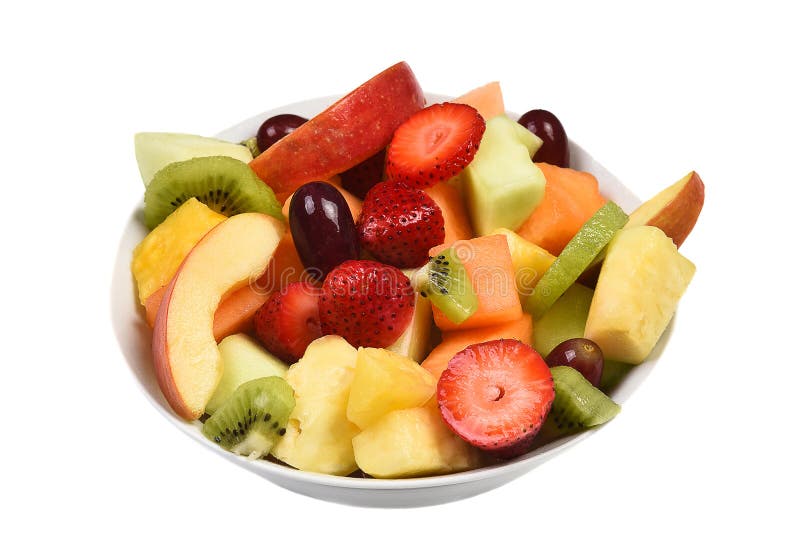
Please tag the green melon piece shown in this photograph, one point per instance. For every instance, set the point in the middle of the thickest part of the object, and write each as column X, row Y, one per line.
column 502, row 186
column 156, row 150
column 565, row 319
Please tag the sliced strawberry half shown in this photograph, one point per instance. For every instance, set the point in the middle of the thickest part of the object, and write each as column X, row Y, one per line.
column 398, row 224
column 434, row 144
column 366, row 302
column 289, row 321
column 496, row 395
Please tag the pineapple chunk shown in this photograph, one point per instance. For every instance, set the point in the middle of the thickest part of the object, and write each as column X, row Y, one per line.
column 641, row 281
column 385, row 382
column 412, row 442
column 158, row 256
column 530, row 260
column 319, row 436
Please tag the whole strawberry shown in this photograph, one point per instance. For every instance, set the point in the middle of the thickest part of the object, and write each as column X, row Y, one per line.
column 399, row 224
column 289, row 321
column 365, row 175
column 368, row 303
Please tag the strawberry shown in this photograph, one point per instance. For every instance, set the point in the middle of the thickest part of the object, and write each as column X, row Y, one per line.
column 363, row 176
column 289, row 321
column 496, row 395
column 398, row 225
column 434, row 144
column 367, row 303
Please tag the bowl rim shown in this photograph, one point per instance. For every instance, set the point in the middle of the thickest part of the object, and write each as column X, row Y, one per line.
column 121, row 275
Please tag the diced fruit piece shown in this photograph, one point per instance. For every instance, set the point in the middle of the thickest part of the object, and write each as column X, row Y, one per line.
column 319, row 435
column 224, row 184
column 353, row 202
column 642, row 279
column 547, row 127
column 156, row 150
column 242, row 360
column 455, row 341
column 253, row 418
column 575, row 258
column 365, row 175
column 354, row 128
column 411, row 443
column 566, row 319
column 570, row 198
column 496, row 395
column 323, row 230
column 385, row 382
column 502, row 186
column 414, row 342
column 399, row 224
column 289, row 321
column 158, row 256
column 530, row 261
column 487, row 99
column 186, row 358
column 276, row 128
column 454, row 213
column 434, row 144
column 445, row 281
column 578, row 405
column 583, row 355
column 674, row 210
column 368, row 303
column 487, row 262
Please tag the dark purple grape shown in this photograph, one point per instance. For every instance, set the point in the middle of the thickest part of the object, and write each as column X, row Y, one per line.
column 275, row 128
column 555, row 147
column 363, row 176
column 322, row 227
column 581, row 354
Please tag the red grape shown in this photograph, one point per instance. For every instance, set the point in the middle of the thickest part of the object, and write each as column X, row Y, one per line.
column 555, row 147
column 276, row 128
column 583, row 355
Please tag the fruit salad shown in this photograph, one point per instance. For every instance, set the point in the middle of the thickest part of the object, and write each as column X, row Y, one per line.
column 394, row 288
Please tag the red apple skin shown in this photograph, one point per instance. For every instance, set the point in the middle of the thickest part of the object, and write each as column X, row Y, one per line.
column 348, row 132
column 678, row 217
column 161, row 358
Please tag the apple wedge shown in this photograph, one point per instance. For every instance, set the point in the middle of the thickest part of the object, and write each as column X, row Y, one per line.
column 674, row 210
column 348, row 132
column 187, row 361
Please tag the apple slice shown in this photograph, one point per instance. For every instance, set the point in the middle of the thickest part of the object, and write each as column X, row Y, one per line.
column 186, row 358
column 348, row 132
column 674, row 210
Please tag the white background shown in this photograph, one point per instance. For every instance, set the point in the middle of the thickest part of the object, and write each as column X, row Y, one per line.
column 652, row 92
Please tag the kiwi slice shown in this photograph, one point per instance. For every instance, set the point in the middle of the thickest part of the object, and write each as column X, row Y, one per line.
column 446, row 283
column 252, row 420
column 224, row 184
column 576, row 257
column 578, row 405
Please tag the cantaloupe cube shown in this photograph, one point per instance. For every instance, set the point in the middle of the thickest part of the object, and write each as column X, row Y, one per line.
column 640, row 283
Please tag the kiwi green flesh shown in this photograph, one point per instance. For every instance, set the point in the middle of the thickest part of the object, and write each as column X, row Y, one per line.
column 578, row 405
column 254, row 418
column 224, row 184
column 449, row 287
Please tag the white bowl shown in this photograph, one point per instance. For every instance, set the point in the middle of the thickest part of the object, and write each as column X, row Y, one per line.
column 134, row 337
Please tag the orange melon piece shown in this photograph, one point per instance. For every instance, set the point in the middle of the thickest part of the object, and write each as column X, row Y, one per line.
column 235, row 312
column 456, row 341
column 456, row 220
column 570, row 198
column 487, row 261
column 353, row 202
column 487, row 99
